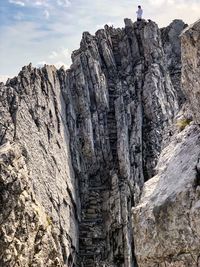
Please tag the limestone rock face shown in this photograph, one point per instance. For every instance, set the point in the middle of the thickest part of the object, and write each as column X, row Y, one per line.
column 172, row 48
column 28, row 237
column 166, row 221
column 190, row 39
column 120, row 102
column 80, row 145
column 39, row 206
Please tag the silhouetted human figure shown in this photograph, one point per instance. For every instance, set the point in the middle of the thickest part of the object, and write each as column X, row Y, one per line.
column 139, row 13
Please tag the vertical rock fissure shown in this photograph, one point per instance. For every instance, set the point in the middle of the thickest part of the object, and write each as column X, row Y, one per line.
column 96, row 134
column 119, row 88
column 93, row 236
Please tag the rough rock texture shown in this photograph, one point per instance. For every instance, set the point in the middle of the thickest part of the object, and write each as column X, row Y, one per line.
column 172, row 48
column 31, row 111
column 190, row 40
column 121, row 101
column 85, row 141
column 27, row 232
column 166, row 222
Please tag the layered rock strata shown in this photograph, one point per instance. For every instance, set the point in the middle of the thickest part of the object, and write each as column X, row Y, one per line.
column 38, row 185
column 190, row 40
column 172, row 48
column 166, row 228
column 121, row 100
column 165, row 222
column 88, row 138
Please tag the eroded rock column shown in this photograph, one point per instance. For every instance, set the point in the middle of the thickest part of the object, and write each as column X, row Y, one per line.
column 120, row 101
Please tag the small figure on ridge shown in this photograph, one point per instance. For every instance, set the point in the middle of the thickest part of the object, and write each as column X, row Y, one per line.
column 139, row 13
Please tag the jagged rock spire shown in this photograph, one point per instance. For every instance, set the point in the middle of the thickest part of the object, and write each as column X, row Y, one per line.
column 89, row 137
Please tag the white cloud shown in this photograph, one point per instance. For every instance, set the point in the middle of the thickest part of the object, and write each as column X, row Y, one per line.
column 40, row 3
column 33, row 3
column 4, row 78
column 64, row 3
column 17, row 2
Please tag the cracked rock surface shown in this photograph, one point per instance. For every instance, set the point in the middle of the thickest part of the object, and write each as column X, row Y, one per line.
column 166, row 228
column 31, row 110
column 77, row 146
column 166, row 220
column 121, row 101
column 28, row 237
column 190, row 40
column 172, row 47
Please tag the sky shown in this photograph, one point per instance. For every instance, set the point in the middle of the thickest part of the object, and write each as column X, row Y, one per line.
column 47, row 31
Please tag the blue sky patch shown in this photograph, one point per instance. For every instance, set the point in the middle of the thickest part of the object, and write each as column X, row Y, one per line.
column 47, row 31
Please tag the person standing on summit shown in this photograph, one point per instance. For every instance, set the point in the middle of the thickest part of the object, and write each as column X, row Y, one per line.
column 139, row 13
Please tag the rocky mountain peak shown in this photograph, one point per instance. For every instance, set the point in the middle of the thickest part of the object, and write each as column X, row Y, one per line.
column 80, row 144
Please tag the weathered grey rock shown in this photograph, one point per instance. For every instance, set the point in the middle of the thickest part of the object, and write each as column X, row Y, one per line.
column 190, row 39
column 172, row 48
column 166, row 221
column 121, row 101
column 28, row 233
column 32, row 114
column 172, row 44
column 89, row 138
